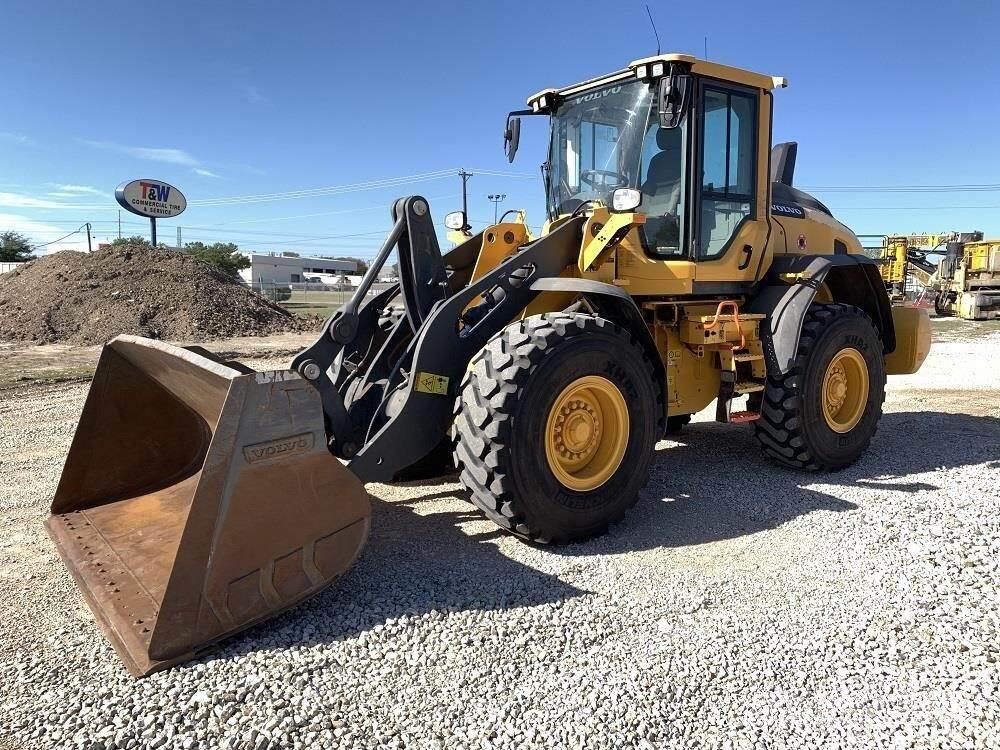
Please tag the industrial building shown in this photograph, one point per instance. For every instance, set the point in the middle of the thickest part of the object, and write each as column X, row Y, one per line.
column 273, row 268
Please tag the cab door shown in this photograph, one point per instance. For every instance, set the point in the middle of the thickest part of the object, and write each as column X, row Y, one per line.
column 729, row 216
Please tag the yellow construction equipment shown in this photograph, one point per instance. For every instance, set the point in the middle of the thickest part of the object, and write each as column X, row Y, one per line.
column 905, row 267
column 963, row 281
column 967, row 281
column 677, row 266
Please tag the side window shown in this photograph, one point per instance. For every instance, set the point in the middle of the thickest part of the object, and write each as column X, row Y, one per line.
column 661, row 180
column 729, row 132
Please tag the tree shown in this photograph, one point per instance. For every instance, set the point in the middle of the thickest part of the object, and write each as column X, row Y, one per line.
column 130, row 241
column 222, row 255
column 15, row 248
column 362, row 264
column 289, row 253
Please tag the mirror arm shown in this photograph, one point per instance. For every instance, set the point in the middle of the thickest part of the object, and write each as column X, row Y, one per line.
column 512, row 133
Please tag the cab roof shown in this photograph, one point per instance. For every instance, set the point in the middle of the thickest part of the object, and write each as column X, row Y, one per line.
column 698, row 67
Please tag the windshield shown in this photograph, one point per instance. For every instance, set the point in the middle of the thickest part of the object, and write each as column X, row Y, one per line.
column 596, row 144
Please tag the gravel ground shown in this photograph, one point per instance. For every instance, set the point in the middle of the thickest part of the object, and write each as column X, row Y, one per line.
column 740, row 605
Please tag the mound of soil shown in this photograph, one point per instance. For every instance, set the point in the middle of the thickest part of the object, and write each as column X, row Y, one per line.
column 88, row 298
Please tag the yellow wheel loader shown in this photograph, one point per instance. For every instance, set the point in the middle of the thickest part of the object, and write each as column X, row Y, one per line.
column 678, row 266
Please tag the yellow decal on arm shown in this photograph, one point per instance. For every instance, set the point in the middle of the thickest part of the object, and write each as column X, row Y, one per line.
column 597, row 248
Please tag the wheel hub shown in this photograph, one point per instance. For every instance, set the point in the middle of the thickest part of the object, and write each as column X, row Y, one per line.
column 577, row 430
column 845, row 390
column 836, row 388
column 586, row 433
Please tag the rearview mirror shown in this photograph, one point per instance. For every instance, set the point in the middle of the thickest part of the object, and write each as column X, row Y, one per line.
column 511, row 137
column 455, row 220
column 673, row 98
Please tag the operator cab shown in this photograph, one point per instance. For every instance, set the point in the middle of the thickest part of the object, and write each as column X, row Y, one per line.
column 687, row 137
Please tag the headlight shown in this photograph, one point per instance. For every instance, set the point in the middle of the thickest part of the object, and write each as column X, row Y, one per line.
column 625, row 199
column 455, row 220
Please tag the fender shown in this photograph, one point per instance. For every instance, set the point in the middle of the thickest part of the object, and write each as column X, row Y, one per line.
column 790, row 287
column 615, row 304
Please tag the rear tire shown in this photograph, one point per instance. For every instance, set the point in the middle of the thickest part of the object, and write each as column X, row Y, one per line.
column 801, row 425
column 504, row 425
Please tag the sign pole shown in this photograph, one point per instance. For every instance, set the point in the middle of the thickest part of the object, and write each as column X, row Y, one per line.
column 152, row 231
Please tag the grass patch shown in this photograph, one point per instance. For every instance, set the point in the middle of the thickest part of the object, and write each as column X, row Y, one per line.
column 18, row 378
column 310, row 310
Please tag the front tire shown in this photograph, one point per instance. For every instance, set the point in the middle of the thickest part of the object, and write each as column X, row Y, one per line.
column 556, row 425
column 822, row 414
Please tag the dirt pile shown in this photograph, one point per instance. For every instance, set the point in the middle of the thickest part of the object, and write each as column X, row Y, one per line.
column 88, row 298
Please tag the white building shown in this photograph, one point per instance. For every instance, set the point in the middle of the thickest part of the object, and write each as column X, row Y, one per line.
column 5, row 266
column 271, row 268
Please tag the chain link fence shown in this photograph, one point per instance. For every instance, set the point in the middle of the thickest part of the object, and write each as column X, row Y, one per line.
column 310, row 298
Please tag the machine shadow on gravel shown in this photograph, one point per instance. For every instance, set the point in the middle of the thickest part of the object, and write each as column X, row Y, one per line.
column 417, row 563
column 413, row 564
column 689, row 501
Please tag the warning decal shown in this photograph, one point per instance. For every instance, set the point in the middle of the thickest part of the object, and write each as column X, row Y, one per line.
column 428, row 382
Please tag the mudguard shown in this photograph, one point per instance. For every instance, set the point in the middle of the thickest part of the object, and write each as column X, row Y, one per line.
column 613, row 303
column 790, row 287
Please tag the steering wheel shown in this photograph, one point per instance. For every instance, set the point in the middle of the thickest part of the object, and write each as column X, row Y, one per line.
column 601, row 179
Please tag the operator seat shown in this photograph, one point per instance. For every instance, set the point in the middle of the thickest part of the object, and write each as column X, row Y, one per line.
column 661, row 191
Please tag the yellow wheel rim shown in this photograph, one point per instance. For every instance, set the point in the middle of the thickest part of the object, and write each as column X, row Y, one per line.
column 586, row 433
column 845, row 390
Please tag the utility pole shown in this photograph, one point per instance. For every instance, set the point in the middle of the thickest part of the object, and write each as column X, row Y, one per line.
column 496, row 198
column 465, row 199
column 88, row 238
column 119, row 223
column 179, row 245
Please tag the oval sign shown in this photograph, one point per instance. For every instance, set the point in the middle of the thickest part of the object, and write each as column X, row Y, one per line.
column 153, row 198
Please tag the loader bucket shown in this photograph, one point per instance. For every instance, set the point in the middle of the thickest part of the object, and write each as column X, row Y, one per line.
column 199, row 498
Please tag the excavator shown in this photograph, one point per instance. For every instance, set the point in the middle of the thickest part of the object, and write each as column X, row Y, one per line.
column 677, row 266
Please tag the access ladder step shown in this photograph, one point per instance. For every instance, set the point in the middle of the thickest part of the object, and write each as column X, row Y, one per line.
column 748, row 386
column 747, row 357
column 741, row 417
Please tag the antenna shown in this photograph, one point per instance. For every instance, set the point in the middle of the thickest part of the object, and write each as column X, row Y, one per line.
column 655, row 33
column 706, row 47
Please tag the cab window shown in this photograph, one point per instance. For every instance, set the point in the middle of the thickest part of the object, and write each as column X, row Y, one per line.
column 661, row 181
column 728, row 179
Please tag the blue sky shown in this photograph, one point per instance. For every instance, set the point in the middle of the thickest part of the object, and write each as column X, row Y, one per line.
column 233, row 99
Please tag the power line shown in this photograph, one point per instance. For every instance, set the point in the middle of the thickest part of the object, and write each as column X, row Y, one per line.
column 324, row 213
column 912, row 208
column 515, row 175
column 323, row 191
column 349, row 188
column 46, row 244
column 969, row 188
